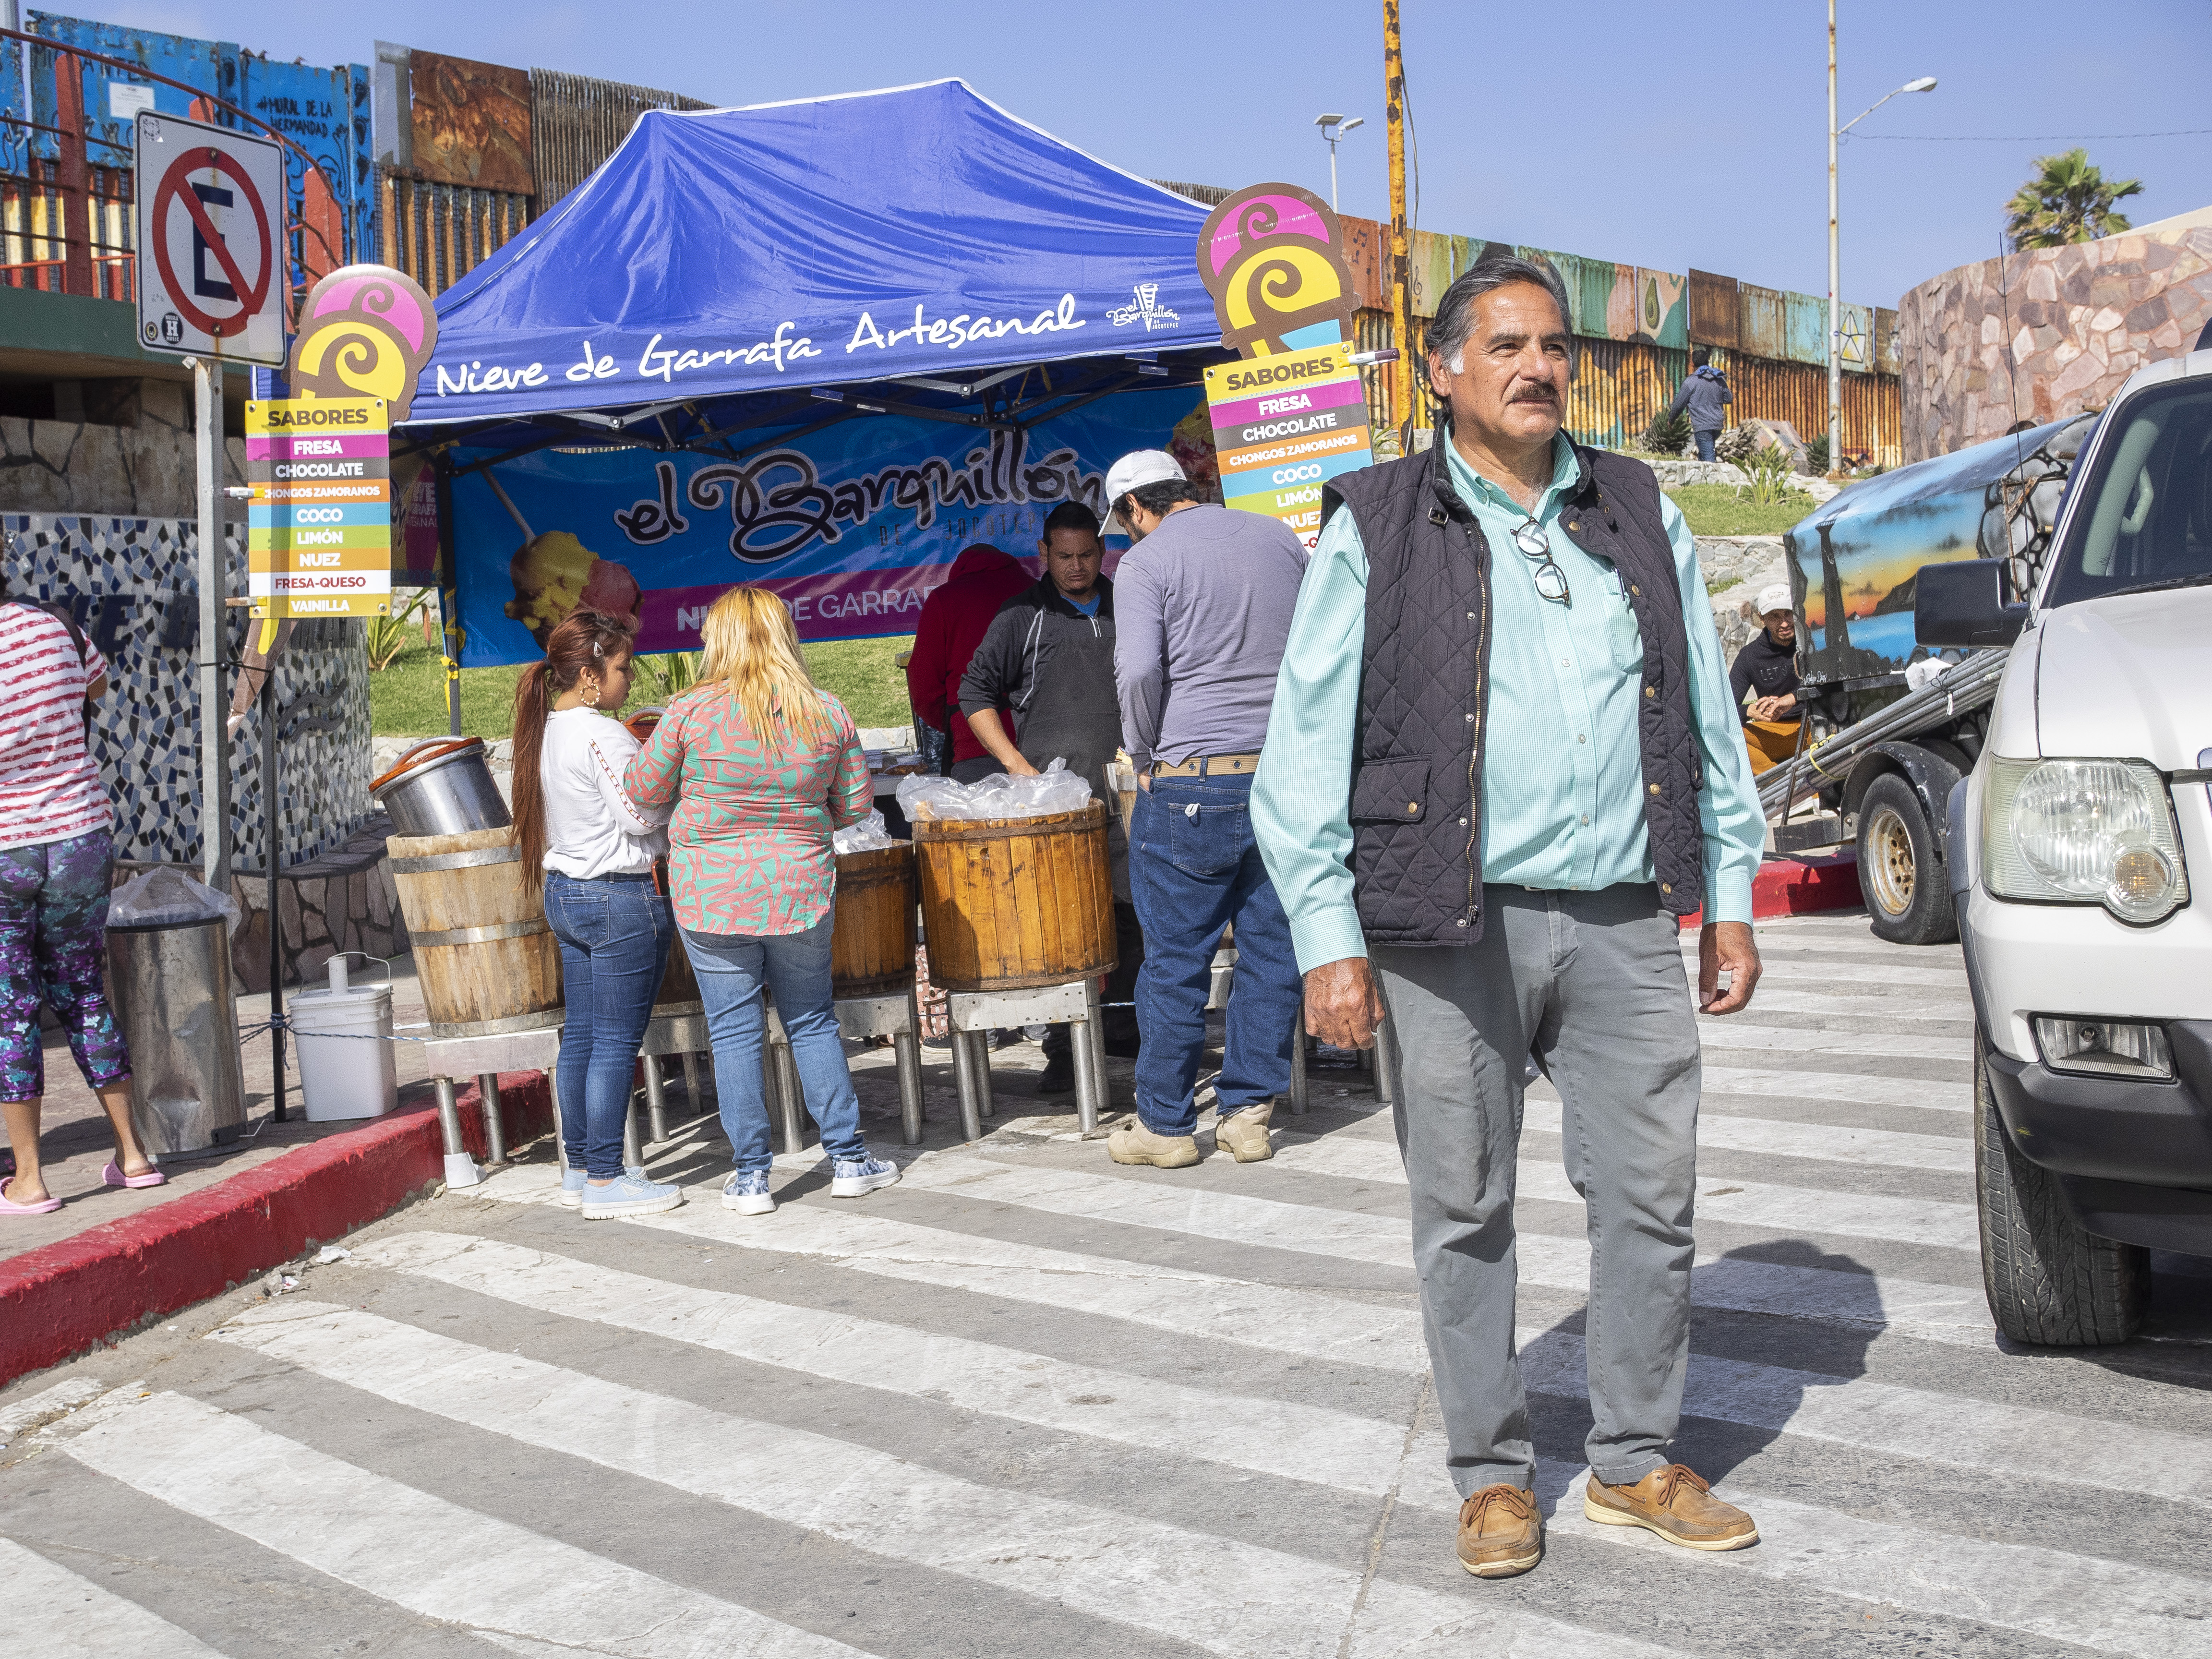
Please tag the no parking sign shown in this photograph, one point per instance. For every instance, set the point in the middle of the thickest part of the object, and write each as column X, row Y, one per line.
column 212, row 236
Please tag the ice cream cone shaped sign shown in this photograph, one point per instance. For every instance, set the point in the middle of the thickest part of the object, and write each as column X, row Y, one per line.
column 365, row 331
column 1271, row 256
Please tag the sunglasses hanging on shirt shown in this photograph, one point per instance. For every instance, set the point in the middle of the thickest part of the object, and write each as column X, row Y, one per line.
column 1551, row 581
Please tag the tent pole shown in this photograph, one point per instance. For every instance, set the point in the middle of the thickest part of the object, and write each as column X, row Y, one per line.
column 449, row 592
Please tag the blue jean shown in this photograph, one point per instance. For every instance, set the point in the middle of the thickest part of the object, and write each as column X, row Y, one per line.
column 615, row 934
column 1194, row 870
column 1705, row 442
column 731, row 969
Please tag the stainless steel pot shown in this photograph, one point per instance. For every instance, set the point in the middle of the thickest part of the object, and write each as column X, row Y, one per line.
column 172, row 989
column 442, row 787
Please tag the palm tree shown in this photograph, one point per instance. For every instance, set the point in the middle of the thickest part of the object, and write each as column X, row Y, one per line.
column 2067, row 201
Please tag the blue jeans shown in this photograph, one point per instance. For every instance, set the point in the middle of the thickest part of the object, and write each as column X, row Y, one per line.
column 1194, row 870
column 1705, row 442
column 614, row 933
column 731, row 969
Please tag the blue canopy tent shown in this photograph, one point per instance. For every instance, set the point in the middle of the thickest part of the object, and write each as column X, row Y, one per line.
column 820, row 345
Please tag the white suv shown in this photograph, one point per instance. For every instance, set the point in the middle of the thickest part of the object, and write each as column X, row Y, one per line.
column 2071, row 848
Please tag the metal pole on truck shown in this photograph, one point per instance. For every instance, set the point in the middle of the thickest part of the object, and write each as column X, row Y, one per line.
column 1401, row 305
column 215, row 634
column 270, row 849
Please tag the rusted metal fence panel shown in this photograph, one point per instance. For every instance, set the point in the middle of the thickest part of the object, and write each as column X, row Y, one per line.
column 1713, row 302
column 1766, row 389
column 1857, row 352
column 470, row 123
column 1806, row 320
column 1762, row 329
column 1886, row 358
column 438, row 233
column 1619, row 385
column 577, row 122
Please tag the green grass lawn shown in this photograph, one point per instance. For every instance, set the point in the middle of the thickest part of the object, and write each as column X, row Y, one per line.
column 1717, row 510
column 409, row 698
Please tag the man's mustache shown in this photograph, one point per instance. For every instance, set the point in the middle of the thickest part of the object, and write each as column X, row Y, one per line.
column 1538, row 395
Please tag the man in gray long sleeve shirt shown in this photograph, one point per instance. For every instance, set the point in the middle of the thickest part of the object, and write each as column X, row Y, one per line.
column 1203, row 605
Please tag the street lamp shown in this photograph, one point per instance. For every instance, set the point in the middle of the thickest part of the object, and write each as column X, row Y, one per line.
column 1924, row 83
column 1333, row 128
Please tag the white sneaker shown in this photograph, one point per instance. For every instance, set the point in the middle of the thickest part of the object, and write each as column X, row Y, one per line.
column 746, row 1192
column 856, row 1177
column 630, row 1193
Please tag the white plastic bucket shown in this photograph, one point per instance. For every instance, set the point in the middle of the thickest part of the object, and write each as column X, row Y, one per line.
column 343, row 1036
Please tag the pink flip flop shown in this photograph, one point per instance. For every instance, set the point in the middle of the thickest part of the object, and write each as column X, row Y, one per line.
column 113, row 1175
column 9, row 1206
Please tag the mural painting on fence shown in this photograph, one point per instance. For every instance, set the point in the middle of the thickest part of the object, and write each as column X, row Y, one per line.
column 1294, row 413
column 852, row 526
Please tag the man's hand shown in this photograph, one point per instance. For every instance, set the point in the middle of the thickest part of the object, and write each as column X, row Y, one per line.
column 1343, row 1007
column 1019, row 764
column 1721, row 945
column 990, row 731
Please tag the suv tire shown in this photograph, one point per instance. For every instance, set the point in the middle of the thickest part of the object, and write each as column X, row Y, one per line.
column 1901, row 877
column 2048, row 1282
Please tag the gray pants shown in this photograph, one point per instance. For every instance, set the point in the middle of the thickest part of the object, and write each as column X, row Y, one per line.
column 1593, row 985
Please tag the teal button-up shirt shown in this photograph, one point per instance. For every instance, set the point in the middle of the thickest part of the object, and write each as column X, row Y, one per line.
column 1562, row 765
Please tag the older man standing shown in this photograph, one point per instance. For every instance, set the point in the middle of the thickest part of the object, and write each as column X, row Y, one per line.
column 1503, row 645
column 1205, row 597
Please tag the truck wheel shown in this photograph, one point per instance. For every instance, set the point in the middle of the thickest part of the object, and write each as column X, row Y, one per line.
column 2048, row 1282
column 1899, row 874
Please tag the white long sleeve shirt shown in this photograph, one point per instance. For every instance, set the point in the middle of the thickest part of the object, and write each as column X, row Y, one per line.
column 592, row 828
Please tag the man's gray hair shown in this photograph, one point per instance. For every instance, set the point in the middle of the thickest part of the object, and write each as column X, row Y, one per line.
column 1449, row 330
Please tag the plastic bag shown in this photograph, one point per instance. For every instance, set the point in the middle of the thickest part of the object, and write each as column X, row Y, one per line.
column 1055, row 789
column 169, row 896
column 870, row 834
column 1919, row 675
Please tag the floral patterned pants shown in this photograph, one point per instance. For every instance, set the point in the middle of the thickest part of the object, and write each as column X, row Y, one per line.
column 53, row 949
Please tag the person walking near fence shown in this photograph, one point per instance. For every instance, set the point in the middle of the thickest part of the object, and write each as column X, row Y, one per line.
column 56, row 856
column 1503, row 648
column 595, row 850
column 762, row 766
column 1205, row 601
column 1705, row 395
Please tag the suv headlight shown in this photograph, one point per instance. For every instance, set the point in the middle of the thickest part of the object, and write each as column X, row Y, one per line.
column 2083, row 832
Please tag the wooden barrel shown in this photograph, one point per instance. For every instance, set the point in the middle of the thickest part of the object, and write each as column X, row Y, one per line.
column 486, row 959
column 872, row 944
column 1008, row 904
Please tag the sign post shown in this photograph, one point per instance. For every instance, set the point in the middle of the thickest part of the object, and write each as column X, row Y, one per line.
column 211, row 288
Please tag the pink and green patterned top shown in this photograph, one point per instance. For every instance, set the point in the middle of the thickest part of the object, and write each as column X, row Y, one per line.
column 749, row 847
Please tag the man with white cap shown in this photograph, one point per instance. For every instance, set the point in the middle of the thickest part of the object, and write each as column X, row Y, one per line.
column 1203, row 602
column 1764, row 682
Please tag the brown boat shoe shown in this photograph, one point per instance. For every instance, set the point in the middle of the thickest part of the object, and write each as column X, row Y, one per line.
column 1676, row 1504
column 1500, row 1533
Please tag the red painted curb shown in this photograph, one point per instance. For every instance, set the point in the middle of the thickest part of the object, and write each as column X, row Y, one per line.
column 63, row 1298
column 1800, row 886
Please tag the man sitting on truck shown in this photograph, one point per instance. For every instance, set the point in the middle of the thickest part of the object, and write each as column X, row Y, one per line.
column 1764, row 681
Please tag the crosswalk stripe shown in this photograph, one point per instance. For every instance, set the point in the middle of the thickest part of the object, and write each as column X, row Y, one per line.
column 58, row 1615
column 1952, row 978
column 1953, row 1429
column 1227, row 1597
column 1789, row 1209
column 2023, row 1587
column 65, row 1395
column 1303, row 1443
column 1727, row 1032
column 1282, row 1320
column 1850, row 1088
column 1940, row 1313
column 1909, row 1007
column 1833, row 1143
column 519, row 1588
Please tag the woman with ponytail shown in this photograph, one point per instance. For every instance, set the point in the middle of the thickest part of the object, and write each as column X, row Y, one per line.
column 762, row 766
column 594, row 849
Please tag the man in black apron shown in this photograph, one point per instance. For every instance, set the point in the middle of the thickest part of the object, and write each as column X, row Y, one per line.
column 1048, row 658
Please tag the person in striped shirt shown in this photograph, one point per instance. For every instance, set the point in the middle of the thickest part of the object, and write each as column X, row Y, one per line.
column 56, row 858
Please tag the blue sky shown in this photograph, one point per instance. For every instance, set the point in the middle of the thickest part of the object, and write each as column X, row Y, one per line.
column 1669, row 135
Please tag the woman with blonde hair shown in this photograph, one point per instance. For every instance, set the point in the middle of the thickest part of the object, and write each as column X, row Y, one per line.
column 594, row 850
column 763, row 765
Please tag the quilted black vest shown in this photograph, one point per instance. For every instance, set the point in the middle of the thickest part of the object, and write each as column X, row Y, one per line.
column 1424, row 685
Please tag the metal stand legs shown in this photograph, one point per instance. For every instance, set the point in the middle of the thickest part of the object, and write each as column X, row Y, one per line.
column 906, row 1049
column 494, row 1126
column 460, row 1168
column 1298, row 1064
column 1088, row 1040
column 656, row 1099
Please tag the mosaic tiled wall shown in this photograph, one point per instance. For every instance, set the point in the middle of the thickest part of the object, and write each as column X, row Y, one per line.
column 2046, row 334
column 134, row 584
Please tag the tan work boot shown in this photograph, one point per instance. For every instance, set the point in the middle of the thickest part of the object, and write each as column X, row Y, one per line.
column 1245, row 1132
column 1675, row 1503
column 1500, row 1533
column 1138, row 1145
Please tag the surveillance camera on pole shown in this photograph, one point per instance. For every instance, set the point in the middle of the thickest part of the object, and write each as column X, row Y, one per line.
column 1333, row 128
